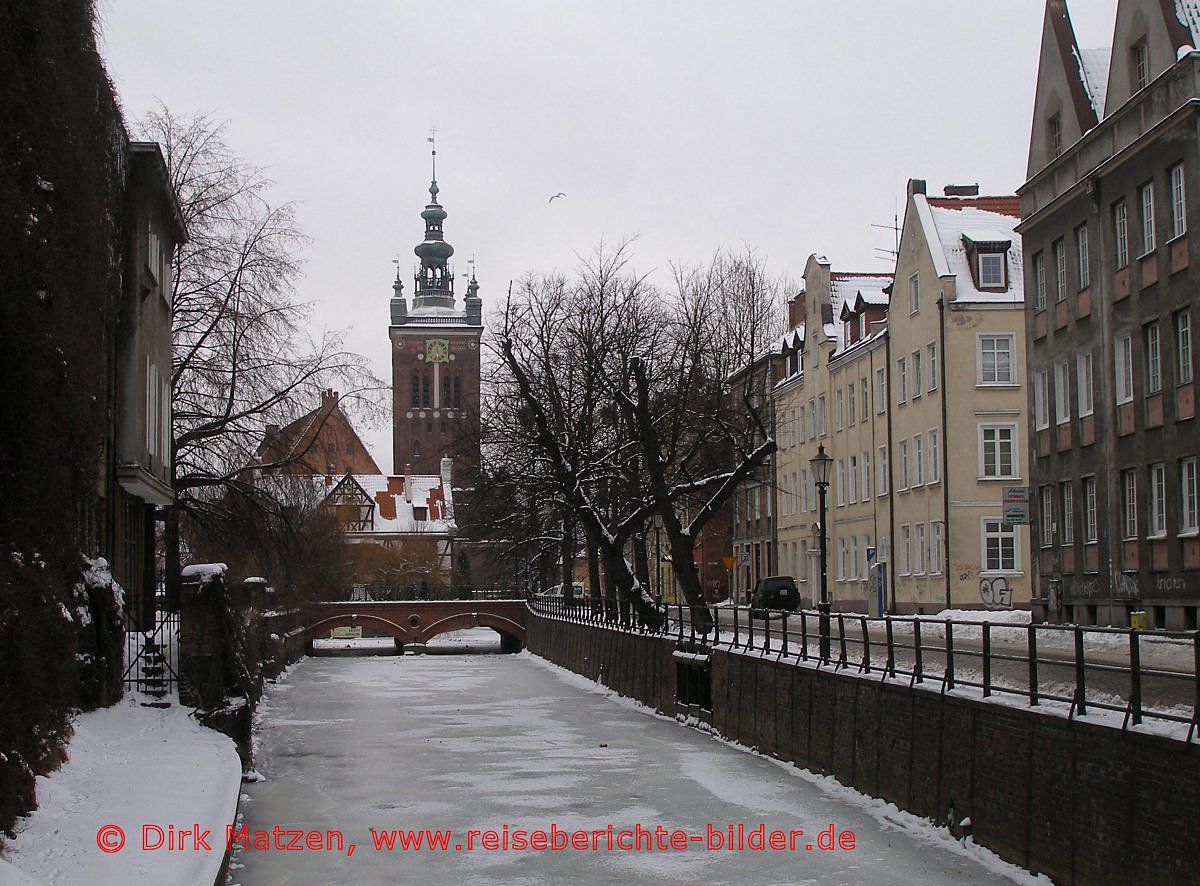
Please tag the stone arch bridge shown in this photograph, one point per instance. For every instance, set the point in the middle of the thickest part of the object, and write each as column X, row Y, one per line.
column 414, row 623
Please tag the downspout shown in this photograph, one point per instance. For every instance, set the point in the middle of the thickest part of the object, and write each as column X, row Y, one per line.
column 941, row 303
column 891, row 487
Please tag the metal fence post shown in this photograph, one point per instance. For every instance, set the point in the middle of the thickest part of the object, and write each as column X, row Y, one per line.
column 1033, row 666
column 842, row 658
column 1080, row 673
column 866, row 649
column 1135, row 677
column 949, row 654
column 785, row 633
column 890, row 667
column 804, row 638
column 918, row 670
column 987, row 659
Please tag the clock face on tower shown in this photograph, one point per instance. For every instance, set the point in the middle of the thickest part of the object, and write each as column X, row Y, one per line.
column 437, row 350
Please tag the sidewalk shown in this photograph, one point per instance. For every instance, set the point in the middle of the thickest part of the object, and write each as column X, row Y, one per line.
column 129, row 766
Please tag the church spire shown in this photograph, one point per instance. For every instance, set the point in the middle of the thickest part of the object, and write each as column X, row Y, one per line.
column 434, row 281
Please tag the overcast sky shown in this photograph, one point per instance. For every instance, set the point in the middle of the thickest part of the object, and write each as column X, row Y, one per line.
column 788, row 126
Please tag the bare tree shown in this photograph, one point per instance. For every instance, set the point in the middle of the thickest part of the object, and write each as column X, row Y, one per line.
column 243, row 354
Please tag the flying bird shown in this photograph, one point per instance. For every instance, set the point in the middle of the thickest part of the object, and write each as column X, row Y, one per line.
column 556, row 196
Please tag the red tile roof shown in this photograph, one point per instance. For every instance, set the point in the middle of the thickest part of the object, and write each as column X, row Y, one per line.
column 1002, row 205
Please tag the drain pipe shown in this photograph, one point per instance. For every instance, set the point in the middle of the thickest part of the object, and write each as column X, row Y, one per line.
column 944, row 454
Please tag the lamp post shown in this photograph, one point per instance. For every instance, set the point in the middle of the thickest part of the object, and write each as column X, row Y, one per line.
column 820, row 464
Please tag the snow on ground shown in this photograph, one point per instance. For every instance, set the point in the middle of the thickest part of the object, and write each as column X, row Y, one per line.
column 129, row 766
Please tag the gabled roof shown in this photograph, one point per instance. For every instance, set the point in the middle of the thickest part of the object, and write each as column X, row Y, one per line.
column 299, row 441
column 949, row 223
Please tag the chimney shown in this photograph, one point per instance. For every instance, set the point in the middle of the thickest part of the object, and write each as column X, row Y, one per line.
column 328, row 480
column 447, row 468
column 329, row 395
column 962, row 190
column 915, row 186
column 408, row 483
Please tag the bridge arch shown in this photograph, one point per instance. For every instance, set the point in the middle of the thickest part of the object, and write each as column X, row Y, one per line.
column 358, row 619
column 463, row 620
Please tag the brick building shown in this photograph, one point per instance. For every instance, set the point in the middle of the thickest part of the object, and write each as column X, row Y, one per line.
column 1108, row 215
column 321, row 442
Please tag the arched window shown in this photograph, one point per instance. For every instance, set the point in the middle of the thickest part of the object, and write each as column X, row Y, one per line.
column 446, row 401
column 426, row 396
column 457, row 392
column 416, row 390
column 416, row 449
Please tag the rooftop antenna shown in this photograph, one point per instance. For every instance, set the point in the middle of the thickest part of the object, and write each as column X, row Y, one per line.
column 894, row 253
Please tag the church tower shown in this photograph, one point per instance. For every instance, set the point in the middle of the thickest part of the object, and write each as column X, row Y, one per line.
column 435, row 361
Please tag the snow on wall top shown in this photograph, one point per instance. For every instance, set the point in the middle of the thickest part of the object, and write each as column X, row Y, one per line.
column 947, row 221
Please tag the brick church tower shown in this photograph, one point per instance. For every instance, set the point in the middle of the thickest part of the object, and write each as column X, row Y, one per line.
column 435, row 361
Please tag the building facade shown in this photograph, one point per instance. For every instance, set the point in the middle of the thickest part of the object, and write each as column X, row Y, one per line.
column 956, row 402
column 320, row 442
column 827, row 398
column 435, row 361
column 1108, row 212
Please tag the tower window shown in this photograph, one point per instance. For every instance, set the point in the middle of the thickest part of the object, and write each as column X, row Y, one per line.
column 1141, row 66
column 446, row 401
column 457, row 392
column 426, row 395
column 416, row 448
column 1054, row 136
column 416, row 390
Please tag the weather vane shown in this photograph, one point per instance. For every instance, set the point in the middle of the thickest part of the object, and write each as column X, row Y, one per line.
column 433, row 141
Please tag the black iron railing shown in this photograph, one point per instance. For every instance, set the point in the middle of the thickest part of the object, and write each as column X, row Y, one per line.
column 1134, row 676
column 152, row 656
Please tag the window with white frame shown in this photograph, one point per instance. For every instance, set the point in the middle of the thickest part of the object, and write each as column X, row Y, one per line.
column 812, row 419
column 998, row 451
column 1146, row 201
column 1039, row 280
column 1083, row 383
column 1183, row 347
column 931, row 350
column 914, row 293
column 905, row 550
column 916, row 374
column 1123, row 368
column 991, row 270
column 1054, row 139
column 1089, row 509
column 852, row 478
column 865, row 467
column 902, row 376
column 1158, row 500
column 865, row 399
column 822, row 426
column 919, row 549
column 918, row 460
column 1121, row 233
column 1128, row 504
column 1139, row 69
column 804, row 493
column 935, row 456
column 851, row 406
column 1059, row 249
column 1153, row 341
column 1178, row 202
column 1066, row 531
column 1062, row 392
column 803, row 423
column 853, row 557
column 1041, row 400
column 841, row 559
column 881, row 471
column 841, row 483
column 903, row 464
column 880, row 391
column 839, row 403
column 1083, row 267
column 1000, row 552
column 995, row 363
column 1189, row 509
column 935, row 548
column 1046, row 529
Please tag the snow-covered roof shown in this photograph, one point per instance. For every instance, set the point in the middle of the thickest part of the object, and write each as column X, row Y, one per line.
column 793, row 339
column 1093, row 71
column 946, row 221
column 394, row 511
column 849, row 287
column 1188, row 13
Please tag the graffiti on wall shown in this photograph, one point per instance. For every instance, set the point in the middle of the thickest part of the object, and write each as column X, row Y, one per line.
column 995, row 591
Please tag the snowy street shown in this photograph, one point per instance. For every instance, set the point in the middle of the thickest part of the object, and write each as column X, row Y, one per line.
column 480, row 742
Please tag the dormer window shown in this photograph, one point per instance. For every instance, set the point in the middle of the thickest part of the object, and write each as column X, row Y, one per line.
column 1140, row 65
column 1054, row 135
column 420, row 514
column 991, row 270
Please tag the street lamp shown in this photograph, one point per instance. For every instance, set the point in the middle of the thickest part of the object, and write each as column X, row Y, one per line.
column 820, row 464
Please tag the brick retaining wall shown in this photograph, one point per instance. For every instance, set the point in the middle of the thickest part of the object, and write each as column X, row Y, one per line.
column 1078, row 801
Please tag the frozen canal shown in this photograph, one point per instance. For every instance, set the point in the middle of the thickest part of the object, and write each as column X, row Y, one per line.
column 478, row 742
